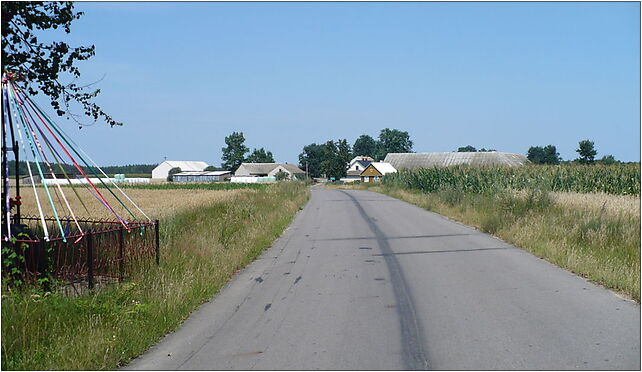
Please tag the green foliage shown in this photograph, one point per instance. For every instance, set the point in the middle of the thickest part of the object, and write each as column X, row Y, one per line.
column 210, row 168
column 313, row 156
column 260, row 156
column 587, row 152
column 129, row 169
column 333, row 165
column 43, row 63
column 543, row 155
column 234, row 152
column 623, row 179
column 468, row 148
column 393, row 140
column 608, row 160
column 365, row 146
column 344, row 152
column 281, row 175
column 172, row 172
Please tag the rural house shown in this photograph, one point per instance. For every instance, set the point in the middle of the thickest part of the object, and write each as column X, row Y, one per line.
column 268, row 170
column 162, row 170
column 446, row 159
column 355, row 167
column 375, row 170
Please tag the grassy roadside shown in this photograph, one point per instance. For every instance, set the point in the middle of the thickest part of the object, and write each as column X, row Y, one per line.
column 594, row 235
column 202, row 247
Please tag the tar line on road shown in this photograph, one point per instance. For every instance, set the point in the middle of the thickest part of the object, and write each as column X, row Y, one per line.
column 412, row 341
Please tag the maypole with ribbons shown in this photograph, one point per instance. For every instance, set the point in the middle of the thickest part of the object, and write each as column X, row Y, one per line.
column 51, row 155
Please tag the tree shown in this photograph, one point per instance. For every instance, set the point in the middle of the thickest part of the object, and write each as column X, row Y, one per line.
column 393, row 140
column 211, row 168
column 312, row 155
column 41, row 64
column 468, row 148
column 365, row 146
column 172, row 172
column 587, row 152
column 344, row 152
column 260, row 156
column 332, row 165
column 484, row 150
column 234, row 153
column 281, row 175
column 543, row 155
column 608, row 160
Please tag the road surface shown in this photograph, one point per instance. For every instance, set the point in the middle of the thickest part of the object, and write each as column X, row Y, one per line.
column 362, row 281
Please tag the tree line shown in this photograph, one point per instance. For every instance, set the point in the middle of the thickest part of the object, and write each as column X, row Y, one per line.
column 331, row 158
column 71, row 169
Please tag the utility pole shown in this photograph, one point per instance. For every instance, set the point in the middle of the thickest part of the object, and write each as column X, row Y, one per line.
column 306, row 170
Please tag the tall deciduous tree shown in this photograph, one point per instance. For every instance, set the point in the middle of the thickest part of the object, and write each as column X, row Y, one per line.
column 365, row 146
column 312, row 156
column 260, row 156
column 344, row 152
column 234, row 152
column 393, row 140
column 587, row 152
column 332, row 165
column 41, row 63
column 543, row 155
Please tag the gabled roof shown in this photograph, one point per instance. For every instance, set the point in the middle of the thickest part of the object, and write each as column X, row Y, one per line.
column 363, row 163
column 445, row 159
column 382, row 167
column 260, row 168
column 186, row 165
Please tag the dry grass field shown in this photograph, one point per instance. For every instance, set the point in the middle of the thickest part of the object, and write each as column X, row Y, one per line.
column 155, row 203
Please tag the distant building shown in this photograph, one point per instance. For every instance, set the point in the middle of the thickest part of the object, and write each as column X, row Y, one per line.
column 202, row 176
column 268, row 170
column 375, row 170
column 355, row 167
column 162, row 170
column 446, row 159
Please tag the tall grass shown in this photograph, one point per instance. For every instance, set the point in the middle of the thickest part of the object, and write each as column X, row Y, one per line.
column 201, row 248
column 618, row 179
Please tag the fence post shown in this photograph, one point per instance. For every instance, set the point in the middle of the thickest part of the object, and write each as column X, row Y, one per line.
column 90, row 260
column 157, row 242
column 121, row 254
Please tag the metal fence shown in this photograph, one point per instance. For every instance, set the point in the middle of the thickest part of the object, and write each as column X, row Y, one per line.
column 102, row 250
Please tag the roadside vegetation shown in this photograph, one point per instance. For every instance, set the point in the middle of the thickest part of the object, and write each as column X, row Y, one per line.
column 206, row 236
column 591, row 227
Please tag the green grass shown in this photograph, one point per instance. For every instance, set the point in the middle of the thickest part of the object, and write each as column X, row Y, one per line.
column 201, row 249
column 603, row 247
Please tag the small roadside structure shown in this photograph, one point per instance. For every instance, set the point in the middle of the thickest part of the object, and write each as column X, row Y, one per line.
column 375, row 170
column 268, row 170
column 162, row 170
column 202, row 176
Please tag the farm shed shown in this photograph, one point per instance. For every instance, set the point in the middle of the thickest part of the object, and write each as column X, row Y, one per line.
column 445, row 159
column 162, row 170
column 203, row 176
column 375, row 170
column 268, row 169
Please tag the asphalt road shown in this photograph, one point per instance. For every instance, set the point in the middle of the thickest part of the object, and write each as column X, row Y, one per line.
column 362, row 281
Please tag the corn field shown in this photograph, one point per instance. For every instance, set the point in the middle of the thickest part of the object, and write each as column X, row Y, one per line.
column 618, row 179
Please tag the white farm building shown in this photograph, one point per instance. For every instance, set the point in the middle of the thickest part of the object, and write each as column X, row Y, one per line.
column 162, row 170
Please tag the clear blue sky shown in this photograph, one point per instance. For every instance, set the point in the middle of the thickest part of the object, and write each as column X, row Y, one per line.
column 182, row 76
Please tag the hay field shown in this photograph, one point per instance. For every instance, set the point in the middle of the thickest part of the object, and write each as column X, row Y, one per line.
column 157, row 204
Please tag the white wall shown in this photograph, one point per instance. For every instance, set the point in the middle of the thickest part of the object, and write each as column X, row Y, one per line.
column 162, row 170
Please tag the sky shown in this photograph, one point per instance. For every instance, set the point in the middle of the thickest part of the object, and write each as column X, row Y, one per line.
column 506, row 76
